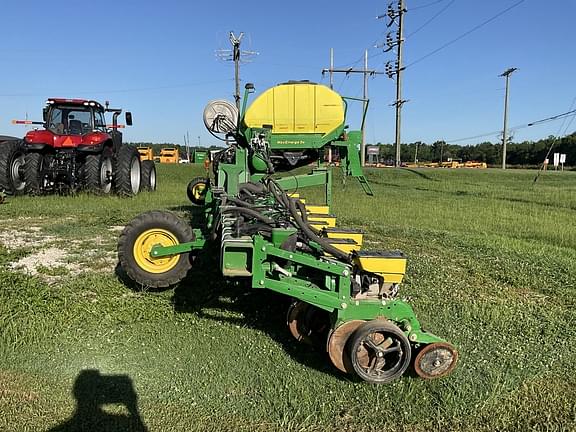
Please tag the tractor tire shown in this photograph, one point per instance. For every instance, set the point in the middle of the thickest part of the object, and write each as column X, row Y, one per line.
column 138, row 238
column 197, row 189
column 11, row 164
column 148, row 176
column 126, row 174
column 97, row 173
column 33, row 167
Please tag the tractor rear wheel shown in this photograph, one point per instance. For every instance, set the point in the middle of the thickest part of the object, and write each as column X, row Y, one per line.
column 136, row 242
column 33, row 175
column 197, row 189
column 127, row 171
column 379, row 352
column 148, row 178
column 11, row 167
column 98, row 172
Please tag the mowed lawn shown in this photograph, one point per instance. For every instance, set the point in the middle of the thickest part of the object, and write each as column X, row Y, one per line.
column 492, row 268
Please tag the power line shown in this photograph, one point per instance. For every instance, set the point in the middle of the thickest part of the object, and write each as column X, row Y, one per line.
column 426, row 5
column 463, row 35
column 436, row 15
column 564, row 116
column 554, row 141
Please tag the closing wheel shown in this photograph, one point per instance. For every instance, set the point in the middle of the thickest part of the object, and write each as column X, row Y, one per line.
column 141, row 235
column 197, row 189
column 308, row 323
column 379, row 352
column 435, row 360
column 337, row 340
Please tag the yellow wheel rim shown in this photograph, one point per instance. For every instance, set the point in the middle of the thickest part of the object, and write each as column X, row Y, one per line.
column 198, row 191
column 143, row 245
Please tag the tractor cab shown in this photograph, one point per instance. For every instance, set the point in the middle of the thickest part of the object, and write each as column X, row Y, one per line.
column 74, row 117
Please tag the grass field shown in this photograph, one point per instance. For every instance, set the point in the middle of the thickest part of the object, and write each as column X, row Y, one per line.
column 492, row 268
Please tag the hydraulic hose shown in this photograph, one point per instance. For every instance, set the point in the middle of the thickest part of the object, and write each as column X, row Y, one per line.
column 249, row 212
column 326, row 246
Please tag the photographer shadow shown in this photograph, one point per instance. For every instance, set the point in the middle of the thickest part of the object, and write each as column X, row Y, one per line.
column 93, row 391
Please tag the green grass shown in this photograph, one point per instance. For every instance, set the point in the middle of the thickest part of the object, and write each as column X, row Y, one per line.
column 492, row 268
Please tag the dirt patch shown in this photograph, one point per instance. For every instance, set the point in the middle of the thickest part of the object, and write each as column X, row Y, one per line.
column 14, row 388
column 44, row 260
column 14, row 238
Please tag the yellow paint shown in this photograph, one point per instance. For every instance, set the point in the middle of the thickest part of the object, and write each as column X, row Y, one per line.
column 318, row 209
column 345, row 245
column 329, row 220
column 169, row 155
column 357, row 236
column 143, row 245
column 318, row 225
column 392, row 269
column 146, row 153
column 301, row 108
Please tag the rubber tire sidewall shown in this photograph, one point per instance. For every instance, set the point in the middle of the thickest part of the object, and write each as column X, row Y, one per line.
column 9, row 151
column 92, row 172
column 122, row 171
column 367, row 328
column 190, row 190
column 147, row 167
column 33, row 166
column 146, row 221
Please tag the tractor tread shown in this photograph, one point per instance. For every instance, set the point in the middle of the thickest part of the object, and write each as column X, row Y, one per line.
column 8, row 151
column 32, row 173
column 123, row 171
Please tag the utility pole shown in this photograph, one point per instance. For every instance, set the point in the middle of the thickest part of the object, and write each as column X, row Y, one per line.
column 367, row 72
column 331, row 67
column 236, row 55
column 396, row 16
column 506, row 74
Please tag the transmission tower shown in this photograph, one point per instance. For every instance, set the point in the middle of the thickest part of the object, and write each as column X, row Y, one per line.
column 237, row 56
column 394, row 69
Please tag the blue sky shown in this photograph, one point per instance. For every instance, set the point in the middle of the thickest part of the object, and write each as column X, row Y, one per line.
column 157, row 59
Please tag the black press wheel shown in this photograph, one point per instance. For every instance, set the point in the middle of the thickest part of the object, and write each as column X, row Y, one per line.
column 98, row 172
column 34, row 173
column 126, row 176
column 12, row 167
column 138, row 238
column 148, row 176
column 379, row 352
column 197, row 189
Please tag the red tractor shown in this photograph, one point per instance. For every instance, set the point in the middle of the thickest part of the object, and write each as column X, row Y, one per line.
column 75, row 150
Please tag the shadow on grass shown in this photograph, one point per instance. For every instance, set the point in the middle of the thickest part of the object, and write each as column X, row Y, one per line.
column 205, row 292
column 420, row 174
column 93, row 391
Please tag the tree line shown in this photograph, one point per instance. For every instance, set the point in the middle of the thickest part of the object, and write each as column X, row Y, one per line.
column 527, row 153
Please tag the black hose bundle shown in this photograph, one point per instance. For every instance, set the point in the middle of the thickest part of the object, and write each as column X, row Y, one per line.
column 249, row 212
column 298, row 213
